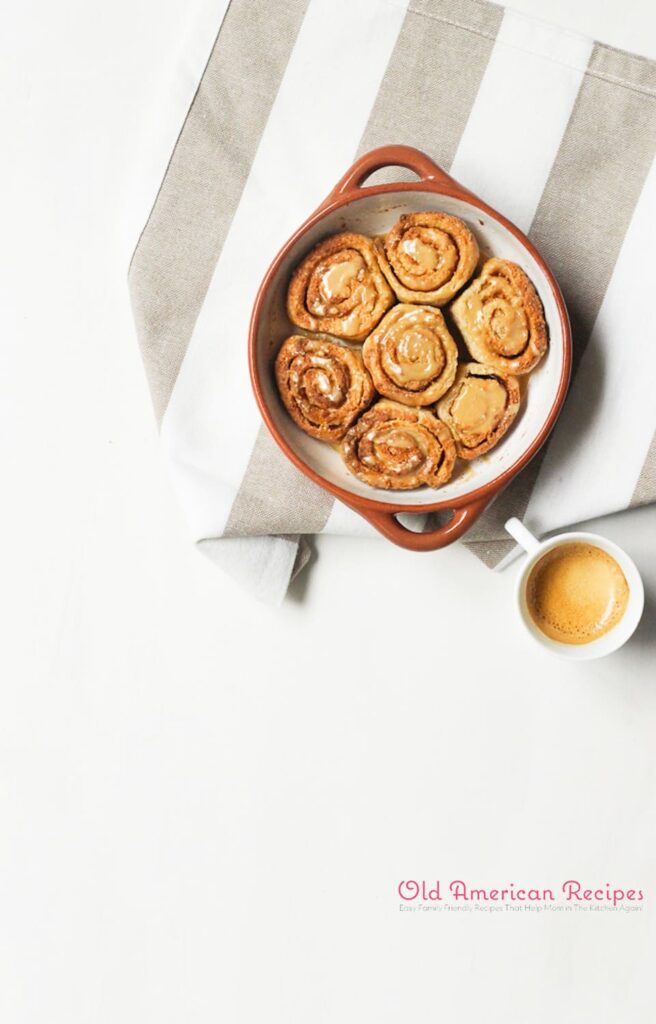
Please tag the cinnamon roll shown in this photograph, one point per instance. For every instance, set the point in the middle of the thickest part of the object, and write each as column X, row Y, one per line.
column 501, row 319
column 397, row 448
column 339, row 288
column 324, row 386
column 427, row 257
column 479, row 408
column 411, row 356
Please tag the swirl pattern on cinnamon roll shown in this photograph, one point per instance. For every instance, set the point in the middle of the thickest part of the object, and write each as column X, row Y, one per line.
column 339, row 288
column 427, row 257
column 411, row 356
column 501, row 319
column 398, row 448
column 324, row 386
column 479, row 408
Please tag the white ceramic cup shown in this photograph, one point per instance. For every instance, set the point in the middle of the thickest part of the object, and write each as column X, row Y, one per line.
column 615, row 637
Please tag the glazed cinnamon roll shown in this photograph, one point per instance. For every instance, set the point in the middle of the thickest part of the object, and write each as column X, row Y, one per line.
column 339, row 288
column 411, row 356
column 397, row 448
column 427, row 257
column 324, row 386
column 501, row 319
column 479, row 408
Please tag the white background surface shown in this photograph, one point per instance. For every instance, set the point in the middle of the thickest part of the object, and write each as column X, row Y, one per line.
column 206, row 804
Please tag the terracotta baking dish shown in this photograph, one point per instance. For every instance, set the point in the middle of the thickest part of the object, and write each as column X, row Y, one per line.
column 372, row 211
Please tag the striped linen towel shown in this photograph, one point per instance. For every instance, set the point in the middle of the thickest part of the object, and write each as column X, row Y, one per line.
column 554, row 130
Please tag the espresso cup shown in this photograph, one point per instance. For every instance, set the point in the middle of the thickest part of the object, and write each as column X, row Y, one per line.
column 617, row 634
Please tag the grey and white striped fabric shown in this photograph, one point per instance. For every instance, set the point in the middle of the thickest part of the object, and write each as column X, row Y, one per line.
column 553, row 129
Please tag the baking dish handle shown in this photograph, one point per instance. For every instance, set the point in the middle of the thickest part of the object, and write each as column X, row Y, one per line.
column 462, row 518
column 394, row 156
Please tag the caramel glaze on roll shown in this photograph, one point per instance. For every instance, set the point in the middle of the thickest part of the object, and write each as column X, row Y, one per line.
column 324, row 386
column 411, row 356
column 501, row 319
column 398, row 448
column 479, row 408
column 339, row 288
column 427, row 257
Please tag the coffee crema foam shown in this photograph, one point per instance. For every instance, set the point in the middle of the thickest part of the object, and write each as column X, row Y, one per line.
column 576, row 593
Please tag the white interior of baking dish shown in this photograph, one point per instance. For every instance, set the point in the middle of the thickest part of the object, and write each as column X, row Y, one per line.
column 374, row 215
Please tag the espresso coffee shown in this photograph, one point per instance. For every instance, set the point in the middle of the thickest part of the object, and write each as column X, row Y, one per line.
column 576, row 593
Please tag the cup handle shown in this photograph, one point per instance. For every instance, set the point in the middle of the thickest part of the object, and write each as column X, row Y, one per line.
column 524, row 537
